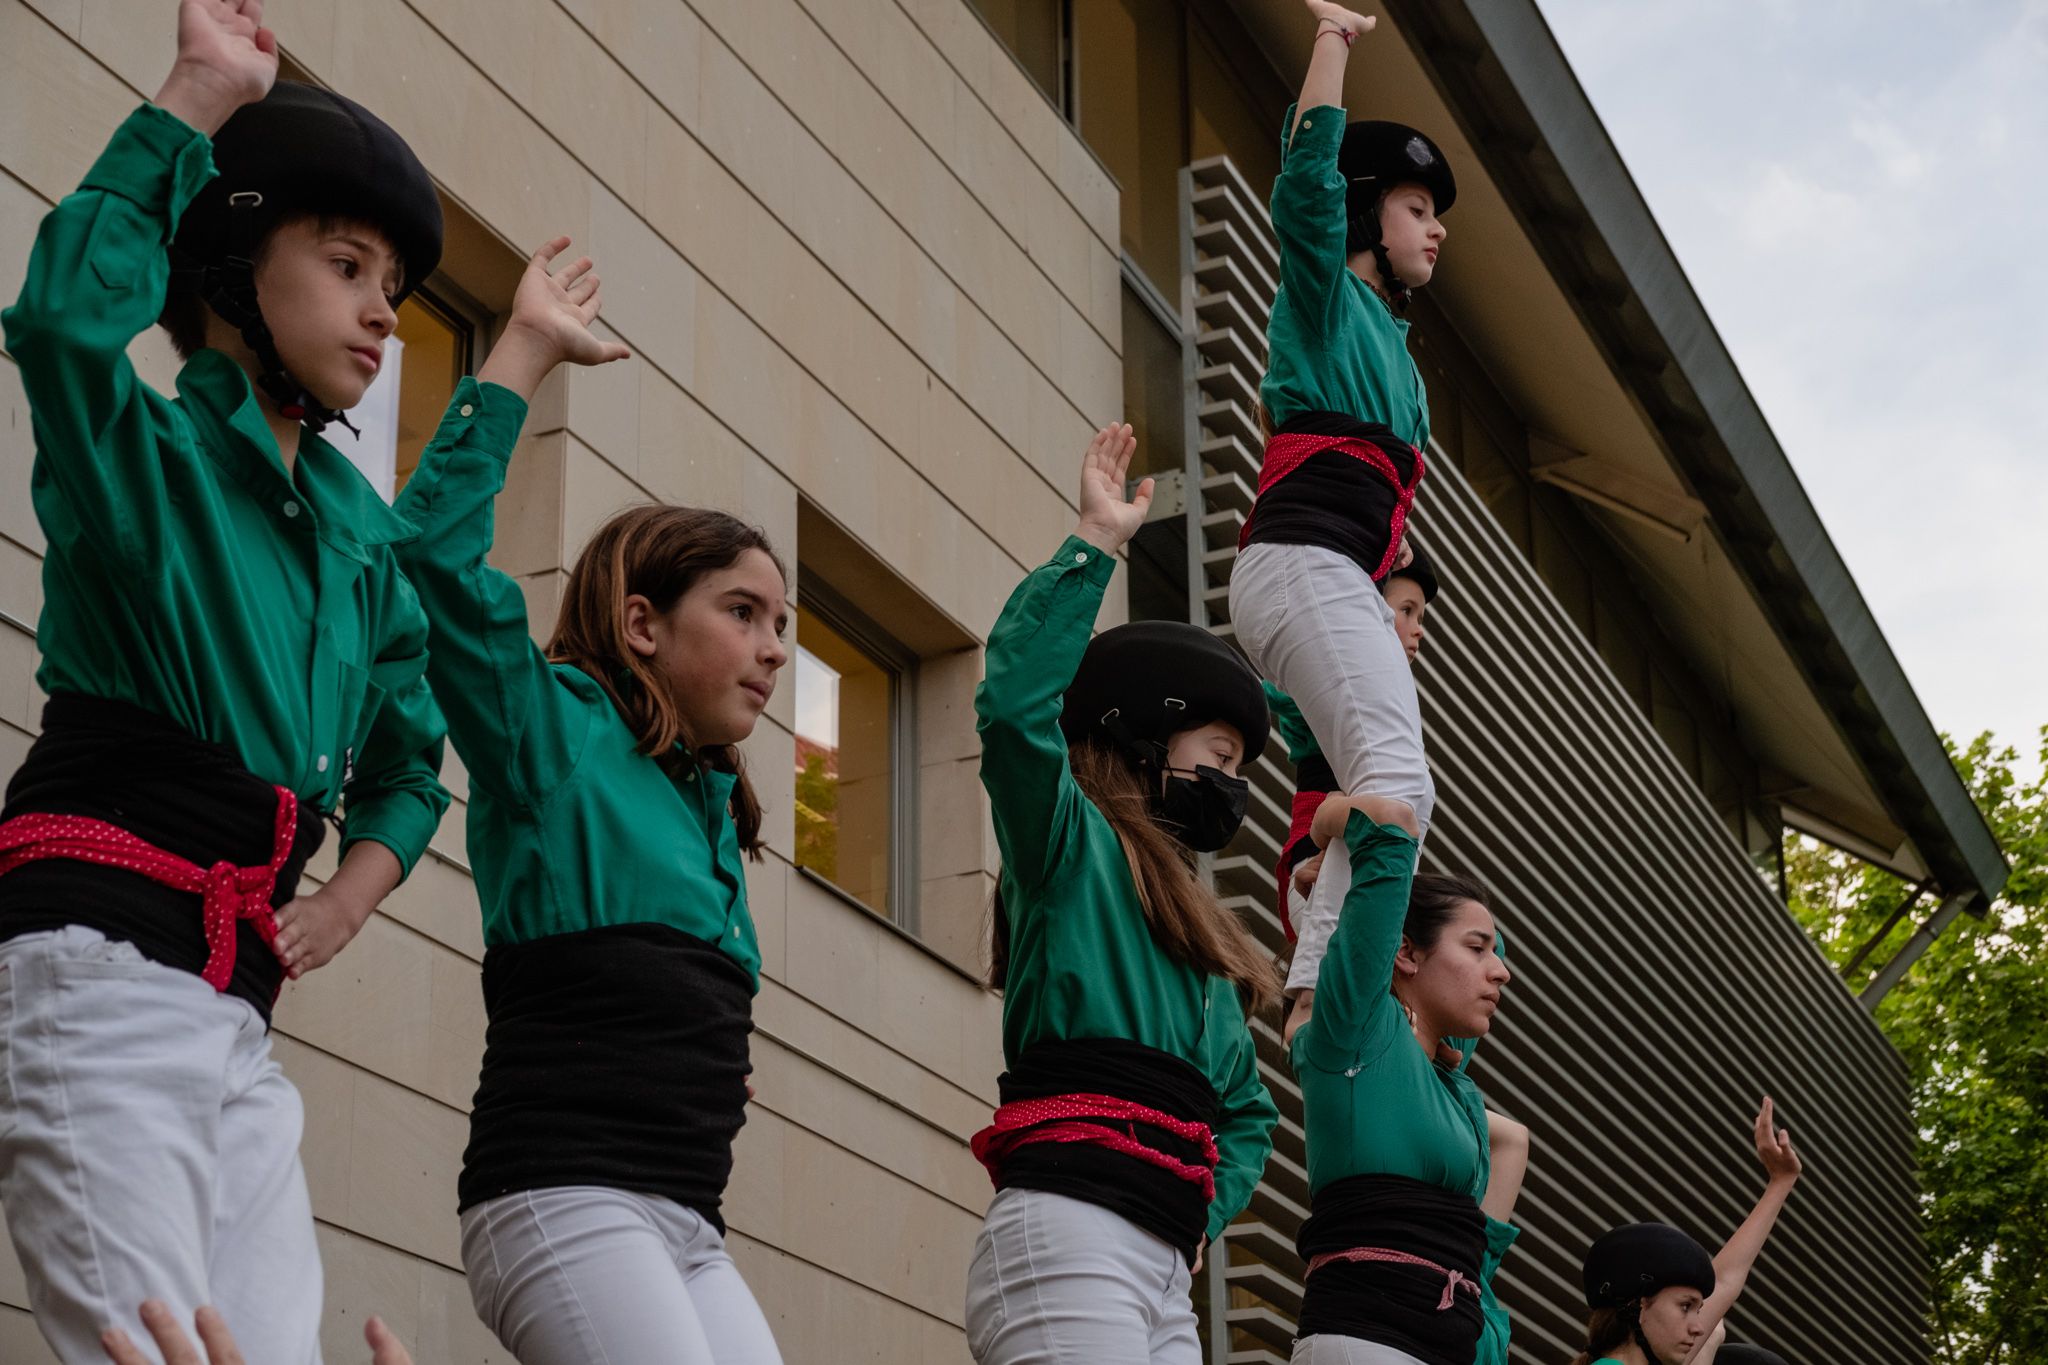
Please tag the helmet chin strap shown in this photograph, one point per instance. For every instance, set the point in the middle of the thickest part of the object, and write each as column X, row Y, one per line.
column 1650, row 1357
column 229, row 288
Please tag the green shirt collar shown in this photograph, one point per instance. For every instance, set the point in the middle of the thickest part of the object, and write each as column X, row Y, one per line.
column 348, row 514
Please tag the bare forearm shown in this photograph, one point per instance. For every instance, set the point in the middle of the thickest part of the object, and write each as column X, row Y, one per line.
column 1732, row 1264
column 368, row 873
column 1324, row 84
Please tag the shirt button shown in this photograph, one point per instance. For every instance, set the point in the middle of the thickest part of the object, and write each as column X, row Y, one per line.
column 1308, row 123
column 468, row 409
column 1081, row 557
column 321, row 766
column 291, row 509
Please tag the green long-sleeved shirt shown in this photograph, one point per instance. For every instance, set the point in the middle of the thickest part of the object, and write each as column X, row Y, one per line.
column 188, row 573
column 570, row 826
column 1332, row 344
column 1083, row 963
column 1372, row 1102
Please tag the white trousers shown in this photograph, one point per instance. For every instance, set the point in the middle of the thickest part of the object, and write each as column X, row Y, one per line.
column 587, row 1275
column 1324, row 1349
column 1059, row 1281
column 149, row 1148
column 1312, row 621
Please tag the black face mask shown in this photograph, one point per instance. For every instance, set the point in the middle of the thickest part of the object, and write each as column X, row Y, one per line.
column 1203, row 811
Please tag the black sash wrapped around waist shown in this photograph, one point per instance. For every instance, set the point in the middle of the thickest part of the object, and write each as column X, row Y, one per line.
column 114, row 762
column 1395, row 1261
column 1159, row 1174
column 614, row 1056
column 1332, row 498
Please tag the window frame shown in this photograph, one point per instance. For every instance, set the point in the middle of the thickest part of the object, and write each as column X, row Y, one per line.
column 835, row 612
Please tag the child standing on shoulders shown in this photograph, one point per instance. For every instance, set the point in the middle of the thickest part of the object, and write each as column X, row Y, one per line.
column 1356, row 211
column 609, row 813
column 230, row 653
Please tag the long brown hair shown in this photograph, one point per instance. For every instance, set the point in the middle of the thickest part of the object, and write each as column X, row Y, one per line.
column 1184, row 916
column 1606, row 1329
column 658, row 551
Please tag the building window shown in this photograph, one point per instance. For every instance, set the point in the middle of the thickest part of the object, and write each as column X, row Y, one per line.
column 854, row 767
column 1035, row 32
column 433, row 347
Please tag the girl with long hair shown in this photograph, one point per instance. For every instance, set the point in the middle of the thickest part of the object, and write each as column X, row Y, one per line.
column 1406, row 1221
column 1133, row 1123
column 608, row 815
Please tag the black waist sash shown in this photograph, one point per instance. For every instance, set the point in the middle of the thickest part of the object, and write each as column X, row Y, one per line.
column 111, row 761
column 1332, row 499
column 614, row 1056
column 1162, row 1203
column 1414, row 1308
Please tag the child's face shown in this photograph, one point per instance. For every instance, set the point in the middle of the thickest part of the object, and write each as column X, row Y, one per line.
column 719, row 647
column 1411, row 233
column 1672, row 1323
column 325, row 290
column 1404, row 595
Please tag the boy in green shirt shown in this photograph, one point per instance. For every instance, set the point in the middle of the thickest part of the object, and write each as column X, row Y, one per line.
column 231, row 654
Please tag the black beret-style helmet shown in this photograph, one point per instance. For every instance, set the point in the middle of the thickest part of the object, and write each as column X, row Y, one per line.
column 1424, row 574
column 1377, row 155
column 1638, row 1259
column 301, row 149
column 1374, row 157
column 1145, row 682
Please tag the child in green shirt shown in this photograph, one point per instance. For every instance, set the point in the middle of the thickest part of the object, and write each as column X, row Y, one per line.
column 231, row 654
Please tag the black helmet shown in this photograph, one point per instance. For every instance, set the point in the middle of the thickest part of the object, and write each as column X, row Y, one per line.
column 1638, row 1259
column 1424, row 574
column 301, row 149
column 1374, row 157
column 1141, row 683
column 1742, row 1353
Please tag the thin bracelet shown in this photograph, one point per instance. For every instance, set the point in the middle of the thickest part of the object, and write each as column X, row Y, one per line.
column 1346, row 34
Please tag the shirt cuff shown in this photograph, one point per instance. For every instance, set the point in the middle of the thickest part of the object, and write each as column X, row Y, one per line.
column 156, row 160
column 399, row 821
column 485, row 417
column 1318, row 137
column 1077, row 555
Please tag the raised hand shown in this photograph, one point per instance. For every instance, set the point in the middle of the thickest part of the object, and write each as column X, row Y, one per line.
column 1108, row 518
column 226, row 59
column 1344, row 20
column 550, row 324
column 1774, row 1147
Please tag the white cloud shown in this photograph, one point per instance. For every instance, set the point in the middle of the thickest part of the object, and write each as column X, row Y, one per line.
column 1857, row 193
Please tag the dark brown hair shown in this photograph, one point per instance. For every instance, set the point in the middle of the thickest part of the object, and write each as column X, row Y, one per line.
column 1432, row 899
column 185, row 313
column 1184, row 916
column 659, row 552
column 1606, row 1329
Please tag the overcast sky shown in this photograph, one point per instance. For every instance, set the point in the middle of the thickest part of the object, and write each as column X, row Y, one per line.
column 1858, row 190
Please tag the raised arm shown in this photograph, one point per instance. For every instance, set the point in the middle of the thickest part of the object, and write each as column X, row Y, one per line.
column 1309, row 218
column 517, row 729
column 1354, row 990
column 1033, row 652
column 1732, row 1263
column 97, row 277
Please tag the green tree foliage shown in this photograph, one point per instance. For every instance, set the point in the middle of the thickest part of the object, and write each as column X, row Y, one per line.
column 817, row 817
column 1971, row 1021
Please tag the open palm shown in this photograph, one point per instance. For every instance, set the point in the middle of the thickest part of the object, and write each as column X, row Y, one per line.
column 1108, row 517
column 557, row 307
